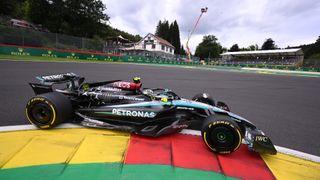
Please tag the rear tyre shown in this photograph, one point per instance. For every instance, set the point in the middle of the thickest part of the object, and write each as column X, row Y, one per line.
column 48, row 110
column 221, row 134
column 204, row 98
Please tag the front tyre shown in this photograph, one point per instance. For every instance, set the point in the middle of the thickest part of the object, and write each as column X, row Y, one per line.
column 221, row 134
column 48, row 110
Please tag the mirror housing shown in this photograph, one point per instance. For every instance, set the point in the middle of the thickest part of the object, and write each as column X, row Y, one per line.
column 223, row 105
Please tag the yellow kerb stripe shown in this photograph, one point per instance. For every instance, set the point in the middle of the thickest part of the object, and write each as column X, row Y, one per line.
column 288, row 167
column 39, row 147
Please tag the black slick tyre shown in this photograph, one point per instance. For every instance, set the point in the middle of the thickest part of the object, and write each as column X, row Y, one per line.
column 48, row 110
column 221, row 134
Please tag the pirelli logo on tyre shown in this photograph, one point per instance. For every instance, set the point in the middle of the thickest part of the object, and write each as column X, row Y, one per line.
column 36, row 99
column 220, row 122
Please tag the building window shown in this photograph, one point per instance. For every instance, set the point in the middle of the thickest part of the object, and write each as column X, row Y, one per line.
column 153, row 46
column 171, row 50
column 149, row 38
column 162, row 47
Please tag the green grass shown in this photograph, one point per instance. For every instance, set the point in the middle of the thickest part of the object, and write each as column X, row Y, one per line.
column 43, row 58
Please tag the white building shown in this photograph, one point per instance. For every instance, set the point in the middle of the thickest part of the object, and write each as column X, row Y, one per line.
column 151, row 46
column 154, row 43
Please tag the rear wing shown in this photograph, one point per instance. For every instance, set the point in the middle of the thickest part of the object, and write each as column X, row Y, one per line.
column 47, row 81
column 57, row 78
column 74, row 82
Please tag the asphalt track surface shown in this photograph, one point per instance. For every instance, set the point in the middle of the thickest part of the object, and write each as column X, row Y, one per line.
column 286, row 108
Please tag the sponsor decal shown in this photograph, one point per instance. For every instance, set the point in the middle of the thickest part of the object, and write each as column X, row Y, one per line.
column 261, row 138
column 131, row 113
column 179, row 126
column 121, row 84
column 92, row 57
column 56, row 77
column 73, row 56
column 130, row 59
column 20, row 52
column 110, row 97
column 108, row 59
column 186, row 108
column 49, row 54
column 109, row 89
column 37, row 99
column 130, row 98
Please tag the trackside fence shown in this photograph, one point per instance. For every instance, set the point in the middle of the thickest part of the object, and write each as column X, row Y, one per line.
column 105, row 57
column 85, row 55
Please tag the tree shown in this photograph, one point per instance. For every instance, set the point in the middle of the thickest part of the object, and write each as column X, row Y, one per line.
column 175, row 37
column 183, row 51
column 171, row 33
column 209, row 47
column 13, row 8
column 312, row 50
column 75, row 17
column 224, row 49
column 234, row 48
column 252, row 47
column 162, row 30
column 268, row 44
column 256, row 47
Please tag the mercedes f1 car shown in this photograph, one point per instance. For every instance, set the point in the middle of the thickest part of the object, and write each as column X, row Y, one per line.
column 153, row 112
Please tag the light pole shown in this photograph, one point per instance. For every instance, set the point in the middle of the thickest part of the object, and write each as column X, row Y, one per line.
column 203, row 10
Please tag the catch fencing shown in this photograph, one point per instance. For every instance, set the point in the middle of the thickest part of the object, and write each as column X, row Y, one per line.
column 29, row 37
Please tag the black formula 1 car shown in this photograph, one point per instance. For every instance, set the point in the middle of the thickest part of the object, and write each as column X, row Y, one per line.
column 126, row 106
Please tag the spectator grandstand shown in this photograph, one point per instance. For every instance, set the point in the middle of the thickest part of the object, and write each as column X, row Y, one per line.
column 288, row 57
column 115, row 45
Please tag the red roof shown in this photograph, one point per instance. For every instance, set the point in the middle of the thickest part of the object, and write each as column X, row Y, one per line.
column 161, row 41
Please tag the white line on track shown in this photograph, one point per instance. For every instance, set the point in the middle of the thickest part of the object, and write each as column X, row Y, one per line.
column 280, row 149
column 282, row 71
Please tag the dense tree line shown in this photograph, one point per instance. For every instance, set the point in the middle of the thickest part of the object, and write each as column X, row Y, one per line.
column 84, row 18
column 236, row 48
column 171, row 33
column 208, row 48
column 311, row 51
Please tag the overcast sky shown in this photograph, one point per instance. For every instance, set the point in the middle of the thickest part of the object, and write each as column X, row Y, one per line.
column 245, row 22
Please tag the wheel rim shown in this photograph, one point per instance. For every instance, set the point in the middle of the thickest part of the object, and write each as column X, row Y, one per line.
column 222, row 137
column 41, row 113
